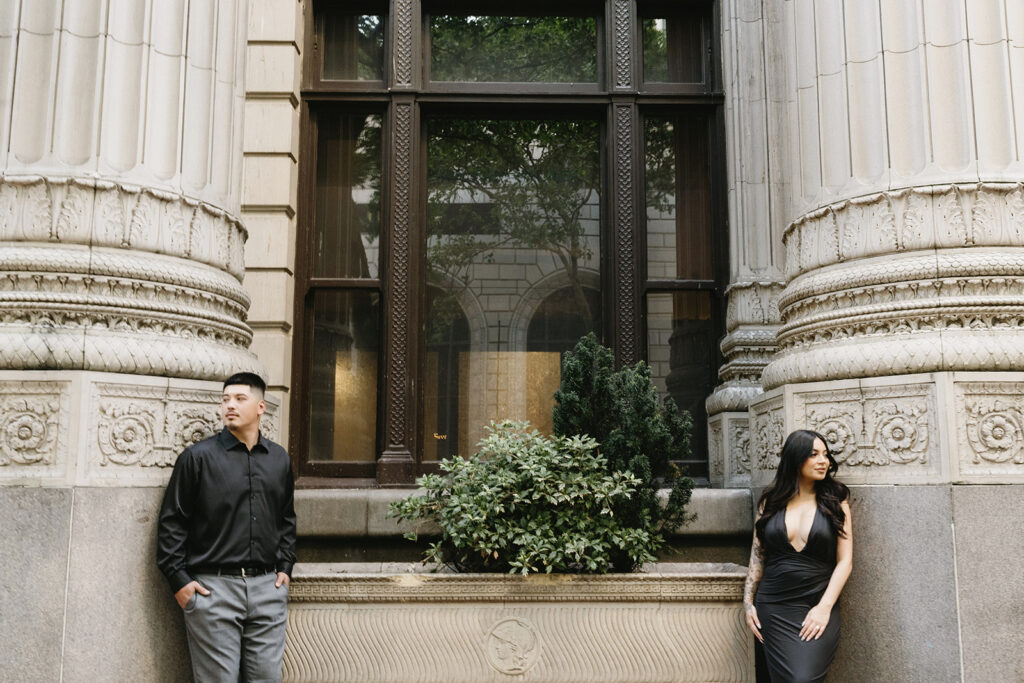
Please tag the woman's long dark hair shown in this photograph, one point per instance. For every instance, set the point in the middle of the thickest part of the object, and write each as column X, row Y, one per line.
column 830, row 493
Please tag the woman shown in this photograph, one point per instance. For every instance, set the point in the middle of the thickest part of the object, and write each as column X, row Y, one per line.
column 801, row 557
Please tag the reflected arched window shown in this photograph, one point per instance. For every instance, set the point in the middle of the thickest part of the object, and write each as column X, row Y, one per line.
column 564, row 317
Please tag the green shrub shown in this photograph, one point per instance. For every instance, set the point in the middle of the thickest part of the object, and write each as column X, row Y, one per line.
column 529, row 503
column 621, row 410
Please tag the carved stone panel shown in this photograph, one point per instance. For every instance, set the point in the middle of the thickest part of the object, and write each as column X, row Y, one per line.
column 34, row 420
column 729, row 449
column 877, row 434
column 990, row 430
column 768, row 429
column 137, row 430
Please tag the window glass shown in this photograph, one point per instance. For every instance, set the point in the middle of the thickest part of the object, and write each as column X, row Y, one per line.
column 343, row 412
column 673, row 47
column 353, row 46
column 513, row 259
column 678, row 198
column 513, row 48
column 681, row 341
column 347, row 216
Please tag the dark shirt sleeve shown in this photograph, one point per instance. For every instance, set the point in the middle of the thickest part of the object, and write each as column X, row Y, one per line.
column 286, row 547
column 173, row 523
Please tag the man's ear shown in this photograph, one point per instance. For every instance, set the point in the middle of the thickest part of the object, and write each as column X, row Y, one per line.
column 261, row 407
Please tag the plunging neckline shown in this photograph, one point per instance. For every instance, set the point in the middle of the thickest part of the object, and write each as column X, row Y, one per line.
column 785, row 528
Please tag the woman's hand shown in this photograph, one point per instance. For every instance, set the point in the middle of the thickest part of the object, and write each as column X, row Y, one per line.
column 752, row 621
column 815, row 622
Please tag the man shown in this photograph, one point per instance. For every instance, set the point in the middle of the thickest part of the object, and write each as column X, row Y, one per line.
column 226, row 542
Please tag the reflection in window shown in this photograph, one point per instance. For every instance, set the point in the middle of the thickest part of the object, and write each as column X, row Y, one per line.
column 513, row 49
column 353, row 45
column 678, row 198
column 673, row 46
column 343, row 413
column 347, row 217
column 681, row 342
column 534, row 255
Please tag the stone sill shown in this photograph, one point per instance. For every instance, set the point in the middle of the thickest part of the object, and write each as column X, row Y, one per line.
column 355, row 513
column 415, row 582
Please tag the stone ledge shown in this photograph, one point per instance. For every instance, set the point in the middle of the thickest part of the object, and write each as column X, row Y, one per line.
column 363, row 512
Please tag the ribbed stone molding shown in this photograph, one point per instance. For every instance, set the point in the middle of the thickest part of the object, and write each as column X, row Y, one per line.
column 922, row 280
column 961, row 427
column 678, row 623
column 119, row 186
column 72, row 428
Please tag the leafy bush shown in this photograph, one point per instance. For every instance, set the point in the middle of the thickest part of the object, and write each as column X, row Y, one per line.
column 529, row 503
column 621, row 410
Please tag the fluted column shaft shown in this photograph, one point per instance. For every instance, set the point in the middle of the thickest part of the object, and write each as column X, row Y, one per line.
column 120, row 125
column 906, row 214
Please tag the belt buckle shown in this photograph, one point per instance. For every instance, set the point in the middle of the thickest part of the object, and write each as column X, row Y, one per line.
column 243, row 573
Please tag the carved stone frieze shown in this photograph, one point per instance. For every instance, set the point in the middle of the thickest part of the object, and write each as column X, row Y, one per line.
column 107, row 214
column 148, row 426
column 958, row 309
column 768, row 426
column 72, row 307
column 872, row 427
column 990, row 425
column 33, row 422
column 928, row 217
column 739, row 438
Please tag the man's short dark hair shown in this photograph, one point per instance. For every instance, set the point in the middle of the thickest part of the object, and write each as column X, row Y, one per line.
column 249, row 379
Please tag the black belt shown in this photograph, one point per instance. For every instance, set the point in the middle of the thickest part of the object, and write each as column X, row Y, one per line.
column 244, row 572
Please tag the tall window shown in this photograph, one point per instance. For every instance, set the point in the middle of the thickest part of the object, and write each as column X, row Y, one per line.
column 480, row 188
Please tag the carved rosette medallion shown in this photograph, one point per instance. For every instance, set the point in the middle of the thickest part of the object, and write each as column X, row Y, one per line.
column 28, row 429
column 513, row 646
column 125, row 433
column 994, row 426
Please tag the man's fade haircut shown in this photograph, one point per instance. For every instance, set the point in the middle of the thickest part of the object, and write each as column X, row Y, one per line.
column 249, row 379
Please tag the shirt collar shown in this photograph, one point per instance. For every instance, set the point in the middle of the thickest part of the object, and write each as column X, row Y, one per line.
column 229, row 440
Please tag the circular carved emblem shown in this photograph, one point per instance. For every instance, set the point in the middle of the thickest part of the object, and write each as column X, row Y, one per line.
column 25, row 438
column 513, row 646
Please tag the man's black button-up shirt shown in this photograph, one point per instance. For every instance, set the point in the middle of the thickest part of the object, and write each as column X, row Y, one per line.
column 227, row 507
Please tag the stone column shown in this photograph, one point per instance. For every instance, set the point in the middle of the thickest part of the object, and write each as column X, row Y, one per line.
column 755, row 235
column 121, row 259
column 902, row 336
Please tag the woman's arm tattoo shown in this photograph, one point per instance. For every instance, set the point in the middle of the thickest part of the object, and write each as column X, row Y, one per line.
column 754, row 572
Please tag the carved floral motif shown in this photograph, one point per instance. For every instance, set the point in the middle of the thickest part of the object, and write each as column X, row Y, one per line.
column 874, row 426
column 28, row 430
column 995, row 429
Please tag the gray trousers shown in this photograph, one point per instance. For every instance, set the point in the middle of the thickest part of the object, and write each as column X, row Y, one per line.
column 236, row 633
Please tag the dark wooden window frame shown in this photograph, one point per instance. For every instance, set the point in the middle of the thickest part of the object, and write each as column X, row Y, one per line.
column 620, row 99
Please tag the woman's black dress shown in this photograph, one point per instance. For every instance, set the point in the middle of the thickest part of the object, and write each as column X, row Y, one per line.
column 793, row 582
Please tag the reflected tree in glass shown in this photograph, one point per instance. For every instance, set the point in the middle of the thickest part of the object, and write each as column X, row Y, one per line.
column 535, row 180
column 353, row 46
column 513, row 49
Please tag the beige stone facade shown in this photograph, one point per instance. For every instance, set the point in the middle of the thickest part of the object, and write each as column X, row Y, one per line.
column 148, row 213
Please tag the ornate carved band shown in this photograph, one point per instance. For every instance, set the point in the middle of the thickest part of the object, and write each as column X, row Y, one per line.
column 932, row 217
column 107, row 214
column 72, row 307
column 920, row 280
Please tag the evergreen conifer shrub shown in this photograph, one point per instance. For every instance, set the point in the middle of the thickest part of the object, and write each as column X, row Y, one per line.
column 636, row 433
